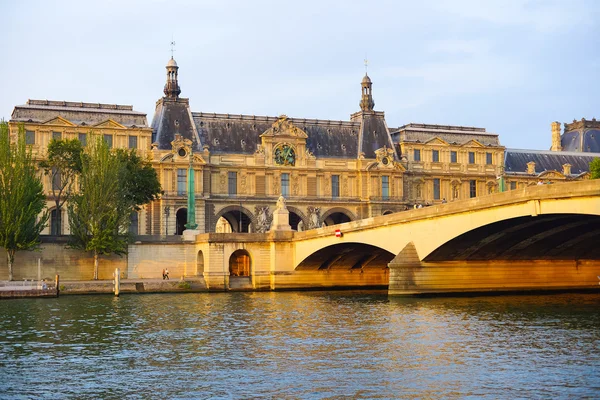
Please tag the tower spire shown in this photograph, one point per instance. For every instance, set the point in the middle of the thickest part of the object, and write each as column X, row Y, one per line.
column 366, row 101
column 172, row 89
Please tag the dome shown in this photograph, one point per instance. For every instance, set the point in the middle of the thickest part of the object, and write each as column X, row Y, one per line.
column 582, row 136
column 171, row 63
column 366, row 79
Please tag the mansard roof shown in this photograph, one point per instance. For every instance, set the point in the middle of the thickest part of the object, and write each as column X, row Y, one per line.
column 238, row 133
column 451, row 134
column 78, row 113
column 582, row 136
column 515, row 160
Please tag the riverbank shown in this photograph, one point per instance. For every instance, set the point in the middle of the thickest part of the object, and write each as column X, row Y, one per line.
column 15, row 289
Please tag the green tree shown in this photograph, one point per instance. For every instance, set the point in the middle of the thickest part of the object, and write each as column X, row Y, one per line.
column 139, row 182
column 22, row 200
column 595, row 168
column 94, row 212
column 112, row 186
column 62, row 165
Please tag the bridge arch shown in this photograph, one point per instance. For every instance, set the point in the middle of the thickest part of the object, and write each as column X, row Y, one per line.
column 337, row 215
column 548, row 236
column 346, row 256
column 432, row 227
column 234, row 214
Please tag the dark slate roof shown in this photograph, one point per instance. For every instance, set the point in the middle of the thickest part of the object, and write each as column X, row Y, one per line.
column 452, row 134
column 39, row 111
column 515, row 160
column 374, row 134
column 583, row 140
column 171, row 117
column 234, row 133
column 225, row 133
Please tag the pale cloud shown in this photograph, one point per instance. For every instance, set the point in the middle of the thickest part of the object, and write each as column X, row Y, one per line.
column 467, row 46
column 542, row 16
column 480, row 75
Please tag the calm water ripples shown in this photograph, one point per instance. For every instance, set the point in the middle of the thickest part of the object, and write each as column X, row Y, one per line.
column 300, row 345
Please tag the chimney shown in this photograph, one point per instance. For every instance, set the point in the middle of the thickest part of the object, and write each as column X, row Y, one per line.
column 566, row 169
column 531, row 167
column 556, row 146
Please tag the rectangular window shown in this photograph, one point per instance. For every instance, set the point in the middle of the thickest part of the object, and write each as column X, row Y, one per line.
column 83, row 139
column 56, row 135
column 436, row 189
column 29, row 137
column 488, row 158
column 335, row 186
column 285, row 185
column 472, row 188
column 181, row 181
column 471, row 157
column 435, row 155
column 417, row 155
column 513, row 185
column 109, row 140
column 453, row 158
column 232, row 183
column 385, row 187
column 133, row 142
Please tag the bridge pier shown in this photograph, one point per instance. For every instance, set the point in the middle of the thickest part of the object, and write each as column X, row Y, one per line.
column 409, row 277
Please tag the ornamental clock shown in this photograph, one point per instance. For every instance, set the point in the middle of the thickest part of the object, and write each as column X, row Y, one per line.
column 285, row 155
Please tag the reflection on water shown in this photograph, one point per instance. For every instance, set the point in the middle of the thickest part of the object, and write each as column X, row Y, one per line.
column 300, row 345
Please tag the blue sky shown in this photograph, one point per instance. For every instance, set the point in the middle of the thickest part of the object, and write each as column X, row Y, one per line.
column 509, row 66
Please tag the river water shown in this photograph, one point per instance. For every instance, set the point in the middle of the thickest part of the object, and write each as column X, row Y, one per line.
column 300, row 345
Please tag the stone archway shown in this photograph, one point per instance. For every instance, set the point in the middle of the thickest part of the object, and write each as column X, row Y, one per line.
column 297, row 216
column 337, row 215
column 240, row 219
column 200, row 263
column 180, row 220
column 239, row 263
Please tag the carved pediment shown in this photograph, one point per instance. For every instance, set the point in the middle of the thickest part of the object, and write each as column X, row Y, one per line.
column 284, row 127
column 59, row 121
column 436, row 141
column 472, row 143
column 181, row 142
column 109, row 124
column 551, row 175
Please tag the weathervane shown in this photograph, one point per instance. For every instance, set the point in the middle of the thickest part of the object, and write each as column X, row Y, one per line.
column 172, row 47
column 366, row 64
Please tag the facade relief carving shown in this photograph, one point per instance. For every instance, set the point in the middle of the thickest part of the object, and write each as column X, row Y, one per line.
column 295, row 185
column 314, row 217
column 243, row 184
column 222, row 183
column 263, row 219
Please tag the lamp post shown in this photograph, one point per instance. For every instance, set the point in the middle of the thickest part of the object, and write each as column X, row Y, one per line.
column 167, row 211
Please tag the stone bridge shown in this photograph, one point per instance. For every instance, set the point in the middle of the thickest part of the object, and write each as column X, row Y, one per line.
column 540, row 238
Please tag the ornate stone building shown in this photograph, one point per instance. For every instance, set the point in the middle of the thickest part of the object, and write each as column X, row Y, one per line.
column 329, row 171
column 43, row 120
column 568, row 159
column 448, row 162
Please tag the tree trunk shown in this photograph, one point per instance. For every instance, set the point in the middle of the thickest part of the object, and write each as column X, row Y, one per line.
column 95, row 265
column 11, row 259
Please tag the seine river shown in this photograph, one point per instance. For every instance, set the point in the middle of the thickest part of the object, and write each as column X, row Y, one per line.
column 300, row 345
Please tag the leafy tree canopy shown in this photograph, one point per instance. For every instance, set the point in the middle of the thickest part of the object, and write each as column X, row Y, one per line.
column 595, row 168
column 139, row 183
column 22, row 199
